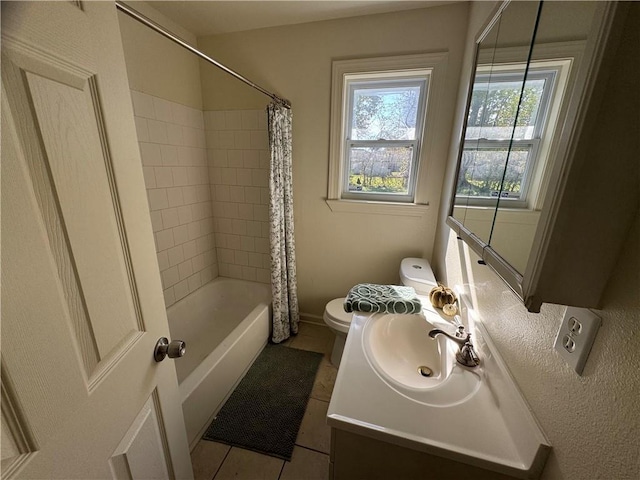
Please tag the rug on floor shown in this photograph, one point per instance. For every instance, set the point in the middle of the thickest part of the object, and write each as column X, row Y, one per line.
column 265, row 410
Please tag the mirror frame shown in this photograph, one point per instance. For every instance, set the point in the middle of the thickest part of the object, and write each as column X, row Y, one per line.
column 487, row 254
column 540, row 281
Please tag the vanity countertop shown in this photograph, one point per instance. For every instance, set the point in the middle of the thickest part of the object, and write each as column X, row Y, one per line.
column 492, row 429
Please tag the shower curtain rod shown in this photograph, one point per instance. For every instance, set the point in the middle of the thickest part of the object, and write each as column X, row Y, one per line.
column 166, row 33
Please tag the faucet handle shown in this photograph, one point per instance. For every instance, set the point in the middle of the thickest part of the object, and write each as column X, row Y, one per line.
column 460, row 333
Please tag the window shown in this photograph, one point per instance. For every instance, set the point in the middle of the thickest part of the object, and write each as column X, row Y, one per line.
column 489, row 145
column 383, row 128
column 380, row 132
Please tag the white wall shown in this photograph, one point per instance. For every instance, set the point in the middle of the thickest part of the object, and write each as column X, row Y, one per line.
column 592, row 420
column 336, row 250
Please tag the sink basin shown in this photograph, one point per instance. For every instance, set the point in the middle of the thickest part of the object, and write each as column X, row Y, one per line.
column 423, row 369
column 400, row 349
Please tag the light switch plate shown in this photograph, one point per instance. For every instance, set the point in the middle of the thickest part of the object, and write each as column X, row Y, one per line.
column 576, row 336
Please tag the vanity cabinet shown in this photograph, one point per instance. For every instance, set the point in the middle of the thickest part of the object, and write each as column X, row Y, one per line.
column 356, row 457
column 548, row 184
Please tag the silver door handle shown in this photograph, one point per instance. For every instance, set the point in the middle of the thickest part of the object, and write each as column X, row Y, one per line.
column 163, row 348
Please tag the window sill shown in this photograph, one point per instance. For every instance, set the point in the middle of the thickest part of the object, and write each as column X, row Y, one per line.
column 380, row 208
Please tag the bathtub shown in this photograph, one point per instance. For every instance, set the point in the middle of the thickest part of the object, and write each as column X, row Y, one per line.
column 225, row 325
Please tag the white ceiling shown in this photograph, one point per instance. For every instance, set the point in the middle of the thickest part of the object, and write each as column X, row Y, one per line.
column 213, row 17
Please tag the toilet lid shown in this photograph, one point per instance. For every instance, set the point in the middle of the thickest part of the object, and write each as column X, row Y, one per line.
column 335, row 311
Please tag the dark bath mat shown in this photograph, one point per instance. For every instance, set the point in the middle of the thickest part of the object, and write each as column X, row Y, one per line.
column 265, row 410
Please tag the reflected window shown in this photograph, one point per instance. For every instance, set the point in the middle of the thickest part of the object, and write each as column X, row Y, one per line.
column 504, row 131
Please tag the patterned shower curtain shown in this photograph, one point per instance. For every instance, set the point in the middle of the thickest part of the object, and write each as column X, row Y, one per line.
column 283, row 252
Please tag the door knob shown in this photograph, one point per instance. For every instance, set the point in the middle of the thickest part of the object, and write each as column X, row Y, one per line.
column 163, row 348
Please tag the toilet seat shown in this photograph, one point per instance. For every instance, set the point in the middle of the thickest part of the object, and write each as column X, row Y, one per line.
column 336, row 317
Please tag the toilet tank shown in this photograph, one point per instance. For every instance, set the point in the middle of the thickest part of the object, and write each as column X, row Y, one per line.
column 417, row 273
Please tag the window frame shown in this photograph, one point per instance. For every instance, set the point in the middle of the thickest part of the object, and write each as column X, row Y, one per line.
column 401, row 64
column 384, row 80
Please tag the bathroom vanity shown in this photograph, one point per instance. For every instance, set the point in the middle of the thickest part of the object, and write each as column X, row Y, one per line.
column 388, row 421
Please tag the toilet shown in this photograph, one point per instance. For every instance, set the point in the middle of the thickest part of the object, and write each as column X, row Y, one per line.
column 414, row 272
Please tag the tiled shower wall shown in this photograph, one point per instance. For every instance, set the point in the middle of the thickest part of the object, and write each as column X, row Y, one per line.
column 174, row 158
column 238, row 151
column 207, row 184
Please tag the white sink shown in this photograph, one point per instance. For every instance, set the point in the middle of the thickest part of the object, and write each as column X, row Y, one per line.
column 423, row 369
column 399, row 348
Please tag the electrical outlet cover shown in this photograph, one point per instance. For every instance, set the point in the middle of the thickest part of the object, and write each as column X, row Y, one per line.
column 576, row 336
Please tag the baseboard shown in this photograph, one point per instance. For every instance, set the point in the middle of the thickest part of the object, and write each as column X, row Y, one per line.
column 311, row 318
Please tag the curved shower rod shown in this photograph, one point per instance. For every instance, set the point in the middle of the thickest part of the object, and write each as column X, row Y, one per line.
column 166, row 33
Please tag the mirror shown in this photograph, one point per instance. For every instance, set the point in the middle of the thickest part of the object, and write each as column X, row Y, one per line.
column 525, row 65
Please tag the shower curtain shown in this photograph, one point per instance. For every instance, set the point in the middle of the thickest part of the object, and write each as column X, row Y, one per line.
column 283, row 251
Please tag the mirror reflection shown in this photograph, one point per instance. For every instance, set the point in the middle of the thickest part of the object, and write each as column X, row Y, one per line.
column 517, row 104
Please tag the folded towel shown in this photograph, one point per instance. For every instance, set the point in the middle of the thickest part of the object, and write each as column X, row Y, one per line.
column 369, row 297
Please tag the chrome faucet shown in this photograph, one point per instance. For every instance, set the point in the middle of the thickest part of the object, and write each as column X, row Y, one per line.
column 467, row 355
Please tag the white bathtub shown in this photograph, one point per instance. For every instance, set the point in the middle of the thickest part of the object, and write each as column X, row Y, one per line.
column 225, row 325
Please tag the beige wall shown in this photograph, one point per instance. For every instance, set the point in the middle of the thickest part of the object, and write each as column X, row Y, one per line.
column 591, row 420
column 157, row 66
column 337, row 250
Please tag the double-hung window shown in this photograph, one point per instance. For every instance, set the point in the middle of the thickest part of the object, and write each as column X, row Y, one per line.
column 382, row 133
column 383, row 113
column 495, row 138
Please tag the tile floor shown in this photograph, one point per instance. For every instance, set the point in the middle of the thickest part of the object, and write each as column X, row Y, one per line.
column 213, row 460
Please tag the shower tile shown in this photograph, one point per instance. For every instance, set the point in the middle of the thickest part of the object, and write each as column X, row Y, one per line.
column 184, row 214
column 244, row 176
column 180, row 114
column 254, row 229
column 163, row 260
column 198, row 263
column 222, row 193
column 262, row 120
column 164, row 239
column 234, row 158
column 261, row 245
column 263, row 275
column 175, row 136
column 265, row 159
column 219, row 158
column 229, row 176
column 254, row 259
column 207, row 274
column 249, row 273
column 212, row 139
column 225, row 225
column 170, row 277
column 252, row 194
column 235, row 271
column 179, row 176
column 233, row 242
column 261, row 213
column 142, row 130
column 189, row 194
column 150, row 153
column 162, row 109
column 241, row 258
column 237, row 194
column 230, row 210
column 251, row 158
column 181, row 234
column 142, row 104
column 195, row 282
column 169, row 297
column 149, row 177
column 206, row 459
column 194, row 230
column 203, row 192
column 259, row 177
column 264, row 195
column 164, row 177
column 170, row 218
column 189, row 249
column 191, row 137
column 185, row 269
column 181, row 289
column 239, row 227
column 247, row 244
column 246, row 211
column 219, row 121
column 242, row 140
column 223, row 269
column 259, row 140
column 215, row 175
column 157, row 131
column 306, row 464
column 169, row 155
column 245, row 464
column 156, row 221
column 175, row 196
column 175, row 255
column 225, row 140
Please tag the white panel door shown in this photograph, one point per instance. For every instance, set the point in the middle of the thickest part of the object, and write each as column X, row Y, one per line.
column 82, row 304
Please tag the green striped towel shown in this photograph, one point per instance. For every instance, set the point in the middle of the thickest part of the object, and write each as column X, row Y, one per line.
column 369, row 297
